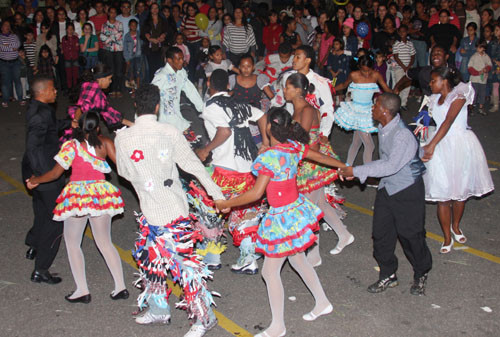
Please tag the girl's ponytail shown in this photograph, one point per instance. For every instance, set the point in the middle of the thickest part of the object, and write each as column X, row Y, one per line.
column 87, row 125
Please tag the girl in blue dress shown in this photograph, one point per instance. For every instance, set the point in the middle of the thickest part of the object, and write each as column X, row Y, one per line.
column 357, row 114
column 287, row 230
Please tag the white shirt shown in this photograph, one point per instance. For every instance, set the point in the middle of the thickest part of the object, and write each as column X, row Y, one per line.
column 215, row 116
column 62, row 30
column 146, row 155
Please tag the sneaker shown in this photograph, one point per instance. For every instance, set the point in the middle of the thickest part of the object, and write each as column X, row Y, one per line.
column 482, row 112
column 214, row 266
column 248, row 267
column 5, row 104
column 149, row 318
column 418, row 287
column 383, row 284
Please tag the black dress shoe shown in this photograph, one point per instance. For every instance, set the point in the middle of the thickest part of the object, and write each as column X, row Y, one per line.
column 82, row 299
column 122, row 295
column 44, row 277
column 31, row 253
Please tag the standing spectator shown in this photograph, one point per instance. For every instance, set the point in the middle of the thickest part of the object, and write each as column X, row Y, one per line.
column 445, row 34
column 459, row 8
column 70, row 51
column 89, row 46
column 364, row 42
column 214, row 29
column 38, row 18
column 311, row 15
column 125, row 16
column 486, row 19
column 326, row 46
column 257, row 21
column 166, row 12
column 81, row 19
column 176, row 17
column 290, row 34
column 98, row 20
column 203, row 7
column 271, row 33
column 20, row 27
column 385, row 38
column 155, row 33
column 45, row 65
column 467, row 49
column 494, row 5
column 30, row 51
column 46, row 38
column 338, row 65
column 479, row 68
column 59, row 30
column 379, row 20
column 239, row 38
column 419, row 32
column 132, row 52
column 73, row 10
column 349, row 38
column 495, row 74
column 141, row 12
column 394, row 12
column 453, row 18
column 338, row 22
column 50, row 12
column 112, row 38
column 192, row 34
column 304, row 27
column 471, row 15
column 9, row 64
column 404, row 55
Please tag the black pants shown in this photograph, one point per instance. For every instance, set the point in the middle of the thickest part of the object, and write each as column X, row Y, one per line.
column 114, row 60
column 401, row 216
column 45, row 235
column 155, row 62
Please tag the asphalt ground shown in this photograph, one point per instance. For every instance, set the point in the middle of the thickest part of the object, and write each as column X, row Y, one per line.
column 462, row 287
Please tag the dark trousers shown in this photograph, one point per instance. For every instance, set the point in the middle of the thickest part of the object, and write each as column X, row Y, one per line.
column 155, row 62
column 401, row 216
column 45, row 235
column 114, row 60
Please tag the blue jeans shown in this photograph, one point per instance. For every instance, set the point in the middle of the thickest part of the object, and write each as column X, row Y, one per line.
column 11, row 72
column 91, row 62
column 421, row 58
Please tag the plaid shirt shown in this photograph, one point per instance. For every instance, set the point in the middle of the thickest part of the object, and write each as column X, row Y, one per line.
column 93, row 98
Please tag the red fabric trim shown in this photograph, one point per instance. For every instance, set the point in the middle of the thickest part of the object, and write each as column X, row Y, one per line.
column 306, row 150
column 62, row 197
column 287, row 253
column 308, row 188
column 473, row 71
column 106, row 206
column 313, row 227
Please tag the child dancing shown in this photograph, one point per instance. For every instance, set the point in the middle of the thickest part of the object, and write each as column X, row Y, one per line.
column 356, row 115
column 87, row 197
column 287, row 230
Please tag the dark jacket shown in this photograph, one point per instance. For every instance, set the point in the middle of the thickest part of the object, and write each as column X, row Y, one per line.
column 42, row 142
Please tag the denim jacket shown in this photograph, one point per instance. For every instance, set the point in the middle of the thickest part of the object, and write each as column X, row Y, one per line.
column 128, row 47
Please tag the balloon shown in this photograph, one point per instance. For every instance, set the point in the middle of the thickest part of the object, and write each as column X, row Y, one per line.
column 341, row 3
column 362, row 29
column 201, row 21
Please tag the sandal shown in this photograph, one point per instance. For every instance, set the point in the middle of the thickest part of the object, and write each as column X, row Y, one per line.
column 446, row 249
column 460, row 238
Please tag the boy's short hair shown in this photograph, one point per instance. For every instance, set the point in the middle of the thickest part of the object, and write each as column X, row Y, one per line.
column 147, row 97
column 403, row 26
column 285, row 48
column 219, row 80
column 132, row 21
column 481, row 44
column 471, row 24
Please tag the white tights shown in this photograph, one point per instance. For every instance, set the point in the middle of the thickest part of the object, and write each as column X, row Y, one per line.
column 271, row 271
column 74, row 228
column 330, row 216
column 359, row 138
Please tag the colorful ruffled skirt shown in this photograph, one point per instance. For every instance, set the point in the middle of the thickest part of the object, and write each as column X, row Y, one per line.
column 88, row 197
column 288, row 230
column 313, row 176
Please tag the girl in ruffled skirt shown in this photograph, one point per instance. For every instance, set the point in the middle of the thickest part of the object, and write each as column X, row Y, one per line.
column 287, row 230
column 87, row 197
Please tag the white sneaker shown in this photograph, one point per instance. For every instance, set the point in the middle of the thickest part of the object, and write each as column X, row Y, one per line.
column 248, row 267
column 149, row 318
column 197, row 330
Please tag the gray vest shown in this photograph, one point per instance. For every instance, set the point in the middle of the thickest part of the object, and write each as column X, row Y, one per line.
column 409, row 174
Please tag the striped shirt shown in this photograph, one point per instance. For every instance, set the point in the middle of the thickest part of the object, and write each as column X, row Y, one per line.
column 191, row 30
column 30, row 50
column 9, row 44
column 404, row 51
column 238, row 39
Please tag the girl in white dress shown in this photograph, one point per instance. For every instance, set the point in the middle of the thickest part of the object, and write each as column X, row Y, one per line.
column 455, row 161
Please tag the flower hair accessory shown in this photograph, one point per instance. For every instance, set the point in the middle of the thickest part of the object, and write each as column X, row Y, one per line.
column 276, row 120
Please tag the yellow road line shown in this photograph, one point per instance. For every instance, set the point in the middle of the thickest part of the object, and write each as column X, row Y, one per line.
column 436, row 237
column 224, row 322
column 491, row 162
column 126, row 256
column 8, row 192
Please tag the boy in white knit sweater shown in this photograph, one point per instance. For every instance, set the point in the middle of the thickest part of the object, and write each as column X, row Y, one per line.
column 479, row 66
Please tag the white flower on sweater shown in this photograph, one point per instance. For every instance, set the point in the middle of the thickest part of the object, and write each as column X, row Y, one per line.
column 149, row 185
column 163, row 155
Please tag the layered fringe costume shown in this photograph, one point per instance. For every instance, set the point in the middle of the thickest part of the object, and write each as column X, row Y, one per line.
column 147, row 155
column 232, row 161
column 169, row 248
